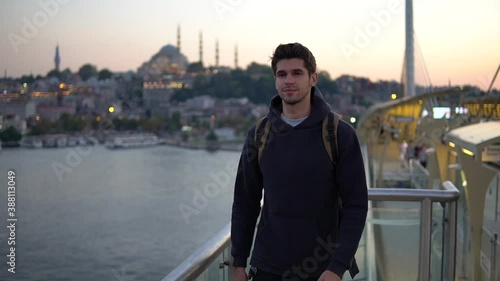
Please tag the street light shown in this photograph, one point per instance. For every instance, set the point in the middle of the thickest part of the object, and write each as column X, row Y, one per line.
column 111, row 109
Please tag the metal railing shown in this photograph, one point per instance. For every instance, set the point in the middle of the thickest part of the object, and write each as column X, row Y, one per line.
column 195, row 265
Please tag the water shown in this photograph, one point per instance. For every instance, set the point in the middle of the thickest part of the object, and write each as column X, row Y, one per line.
column 99, row 214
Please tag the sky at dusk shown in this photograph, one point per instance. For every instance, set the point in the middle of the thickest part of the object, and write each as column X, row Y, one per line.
column 457, row 40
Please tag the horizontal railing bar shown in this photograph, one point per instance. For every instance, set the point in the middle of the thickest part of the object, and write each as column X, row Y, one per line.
column 194, row 265
column 399, row 194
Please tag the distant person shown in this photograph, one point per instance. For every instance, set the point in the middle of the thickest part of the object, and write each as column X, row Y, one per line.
column 422, row 156
column 403, row 147
column 294, row 238
column 394, row 133
column 410, row 151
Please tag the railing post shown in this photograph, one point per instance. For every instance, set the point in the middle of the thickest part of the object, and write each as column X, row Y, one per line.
column 425, row 240
column 493, row 256
column 450, row 258
column 229, row 268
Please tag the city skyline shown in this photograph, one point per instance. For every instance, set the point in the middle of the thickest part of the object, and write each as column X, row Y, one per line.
column 457, row 39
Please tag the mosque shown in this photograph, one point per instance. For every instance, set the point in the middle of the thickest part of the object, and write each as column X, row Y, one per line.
column 170, row 60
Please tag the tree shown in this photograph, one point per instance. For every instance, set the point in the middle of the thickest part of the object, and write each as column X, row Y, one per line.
column 87, row 71
column 211, row 136
column 65, row 74
column 41, row 127
column 27, row 79
column 326, row 84
column 10, row 134
column 175, row 121
column 69, row 123
column 126, row 124
column 255, row 68
column 154, row 124
column 195, row 67
column 212, row 141
column 323, row 74
column 54, row 73
column 200, row 81
column 105, row 74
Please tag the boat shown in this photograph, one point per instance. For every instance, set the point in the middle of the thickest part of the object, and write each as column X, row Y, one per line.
column 31, row 142
column 72, row 141
column 131, row 141
column 56, row 140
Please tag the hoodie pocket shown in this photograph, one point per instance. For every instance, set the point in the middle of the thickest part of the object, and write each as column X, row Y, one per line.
column 285, row 241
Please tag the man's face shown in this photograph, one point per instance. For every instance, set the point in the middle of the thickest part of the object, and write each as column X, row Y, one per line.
column 293, row 82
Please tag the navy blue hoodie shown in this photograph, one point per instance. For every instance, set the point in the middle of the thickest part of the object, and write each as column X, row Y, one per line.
column 297, row 219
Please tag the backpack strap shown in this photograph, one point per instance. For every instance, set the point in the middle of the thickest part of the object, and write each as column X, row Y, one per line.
column 330, row 124
column 329, row 132
column 330, row 129
column 262, row 129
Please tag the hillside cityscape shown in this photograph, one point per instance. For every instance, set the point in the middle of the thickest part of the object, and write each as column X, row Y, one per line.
column 168, row 96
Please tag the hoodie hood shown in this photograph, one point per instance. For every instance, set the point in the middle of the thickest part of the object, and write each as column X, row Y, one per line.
column 319, row 109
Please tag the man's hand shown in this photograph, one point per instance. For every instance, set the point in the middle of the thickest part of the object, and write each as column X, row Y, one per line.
column 329, row 276
column 240, row 274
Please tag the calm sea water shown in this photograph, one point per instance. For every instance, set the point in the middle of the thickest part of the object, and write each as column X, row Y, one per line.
column 99, row 214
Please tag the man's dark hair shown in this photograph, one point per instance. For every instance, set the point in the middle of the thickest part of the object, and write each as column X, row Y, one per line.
column 294, row 51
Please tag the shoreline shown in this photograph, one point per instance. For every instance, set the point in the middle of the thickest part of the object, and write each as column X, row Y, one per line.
column 236, row 147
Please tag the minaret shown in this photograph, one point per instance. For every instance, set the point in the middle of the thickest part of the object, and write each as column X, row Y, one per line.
column 57, row 59
column 236, row 57
column 201, row 47
column 179, row 38
column 409, row 52
column 217, row 53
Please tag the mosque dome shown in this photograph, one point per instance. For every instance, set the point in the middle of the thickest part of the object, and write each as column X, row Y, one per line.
column 168, row 49
column 167, row 61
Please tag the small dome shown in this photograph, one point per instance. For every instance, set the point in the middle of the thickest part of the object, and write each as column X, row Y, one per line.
column 169, row 49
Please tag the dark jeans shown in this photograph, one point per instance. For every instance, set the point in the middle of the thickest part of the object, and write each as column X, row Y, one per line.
column 266, row 276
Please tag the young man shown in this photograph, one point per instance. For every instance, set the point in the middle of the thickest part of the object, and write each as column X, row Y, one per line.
column 294, row 238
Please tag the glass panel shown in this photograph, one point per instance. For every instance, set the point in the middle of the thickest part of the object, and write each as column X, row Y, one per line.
column 496, row 182
column 214, row 272
column 396, row 228
column 463, row 251
column 360, row 259
column 491, row 202
column 418, row 175
column 497, row 261
column 437, row 241
column 227, row 256
column 486, row 257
